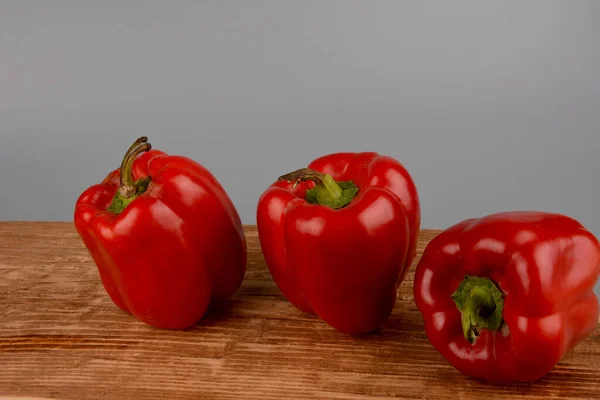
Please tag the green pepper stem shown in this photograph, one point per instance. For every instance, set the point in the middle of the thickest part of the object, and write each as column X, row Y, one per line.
column 481, row 304
column 327, row 191
column 328, row 187
column 128, row 187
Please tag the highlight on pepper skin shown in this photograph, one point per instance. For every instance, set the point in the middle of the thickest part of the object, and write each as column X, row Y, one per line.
column 506, row 296
column 164, row 235
column 339, row 236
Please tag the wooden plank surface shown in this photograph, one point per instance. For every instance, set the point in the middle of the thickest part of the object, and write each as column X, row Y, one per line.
column 61, row 337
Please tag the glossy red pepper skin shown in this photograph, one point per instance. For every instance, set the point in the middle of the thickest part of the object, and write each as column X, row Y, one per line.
column 173, row 249
column 545, row 265
column 344, row 265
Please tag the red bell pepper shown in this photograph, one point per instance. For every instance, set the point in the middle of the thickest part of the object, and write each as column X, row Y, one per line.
column 339, row 236
column 506, row 296
column 164, row 235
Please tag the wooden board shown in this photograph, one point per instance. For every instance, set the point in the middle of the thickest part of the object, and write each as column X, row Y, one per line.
column 61, row 337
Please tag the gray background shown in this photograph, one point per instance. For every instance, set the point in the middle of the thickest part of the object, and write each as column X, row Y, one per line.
column 492, row 106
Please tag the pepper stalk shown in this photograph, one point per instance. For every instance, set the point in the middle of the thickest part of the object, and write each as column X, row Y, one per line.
column 130, row 189
column 327, row 191
column 481, row 303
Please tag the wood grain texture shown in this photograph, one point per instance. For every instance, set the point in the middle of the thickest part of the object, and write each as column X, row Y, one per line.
column 61, row 337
